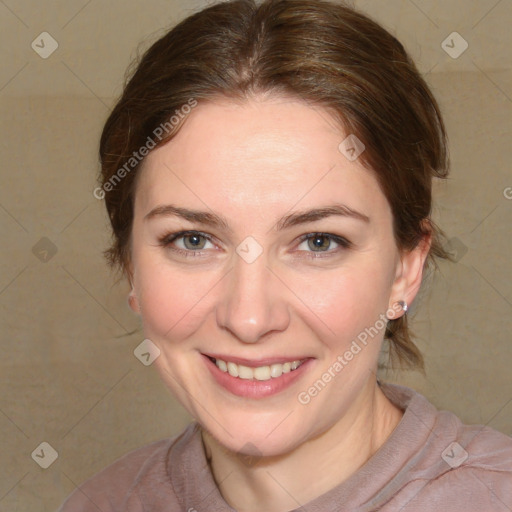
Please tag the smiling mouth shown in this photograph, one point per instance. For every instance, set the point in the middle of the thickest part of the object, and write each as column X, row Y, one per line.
column 261, row 373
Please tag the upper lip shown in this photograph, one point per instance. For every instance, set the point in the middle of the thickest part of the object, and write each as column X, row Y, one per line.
column 255, row 363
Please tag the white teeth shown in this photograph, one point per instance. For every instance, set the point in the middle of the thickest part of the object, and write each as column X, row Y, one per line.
column 244, row 372
column 233, row 369
column 222, row 365
column 260, row 373
column 276, row 370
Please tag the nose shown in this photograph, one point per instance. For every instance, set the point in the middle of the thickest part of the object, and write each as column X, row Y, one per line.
column 253, row 302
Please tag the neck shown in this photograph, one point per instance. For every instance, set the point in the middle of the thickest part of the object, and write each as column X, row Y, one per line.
column 282, row 483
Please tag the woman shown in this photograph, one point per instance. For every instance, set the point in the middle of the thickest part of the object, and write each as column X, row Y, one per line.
column 268, row 174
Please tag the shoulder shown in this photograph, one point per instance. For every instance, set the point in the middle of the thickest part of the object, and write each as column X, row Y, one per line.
column 115, row 487
column 474, row 473
column 478, row 468
column 457, row 466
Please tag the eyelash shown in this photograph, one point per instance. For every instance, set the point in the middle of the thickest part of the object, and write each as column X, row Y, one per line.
column 166, row 241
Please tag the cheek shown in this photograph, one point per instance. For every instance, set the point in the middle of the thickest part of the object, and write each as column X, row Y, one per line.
column 349, row 300
column 172, row 301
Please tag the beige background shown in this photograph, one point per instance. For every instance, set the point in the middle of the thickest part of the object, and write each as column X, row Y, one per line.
column 68, row 373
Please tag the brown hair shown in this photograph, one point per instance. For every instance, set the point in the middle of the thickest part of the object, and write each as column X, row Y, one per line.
column 327, row 54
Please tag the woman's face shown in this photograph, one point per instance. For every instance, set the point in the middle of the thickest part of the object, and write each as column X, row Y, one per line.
column 245, row 287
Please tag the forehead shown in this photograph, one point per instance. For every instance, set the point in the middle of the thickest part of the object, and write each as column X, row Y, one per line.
column 260, row 155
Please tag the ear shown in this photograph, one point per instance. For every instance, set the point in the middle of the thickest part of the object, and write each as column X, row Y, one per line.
column 133, row 301
column 409, row 272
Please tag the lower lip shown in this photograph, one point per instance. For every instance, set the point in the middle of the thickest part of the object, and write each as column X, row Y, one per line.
column 256, row 388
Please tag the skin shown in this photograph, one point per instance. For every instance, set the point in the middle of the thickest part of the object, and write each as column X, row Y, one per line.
column 254, row 162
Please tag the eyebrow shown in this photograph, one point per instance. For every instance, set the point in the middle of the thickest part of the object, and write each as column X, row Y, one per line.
column 287, row 221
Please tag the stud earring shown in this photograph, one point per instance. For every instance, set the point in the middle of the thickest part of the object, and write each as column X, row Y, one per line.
column 404, row 306
column 392, row 311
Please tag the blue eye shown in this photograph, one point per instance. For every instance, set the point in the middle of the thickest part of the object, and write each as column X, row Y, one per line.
column 193, row 242
column 322, row 242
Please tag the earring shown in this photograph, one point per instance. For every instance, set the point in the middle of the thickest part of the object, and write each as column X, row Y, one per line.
column 391, row 312
column 404, row 306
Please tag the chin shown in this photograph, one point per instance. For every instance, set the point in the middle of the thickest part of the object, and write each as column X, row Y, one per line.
column 251, row 438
